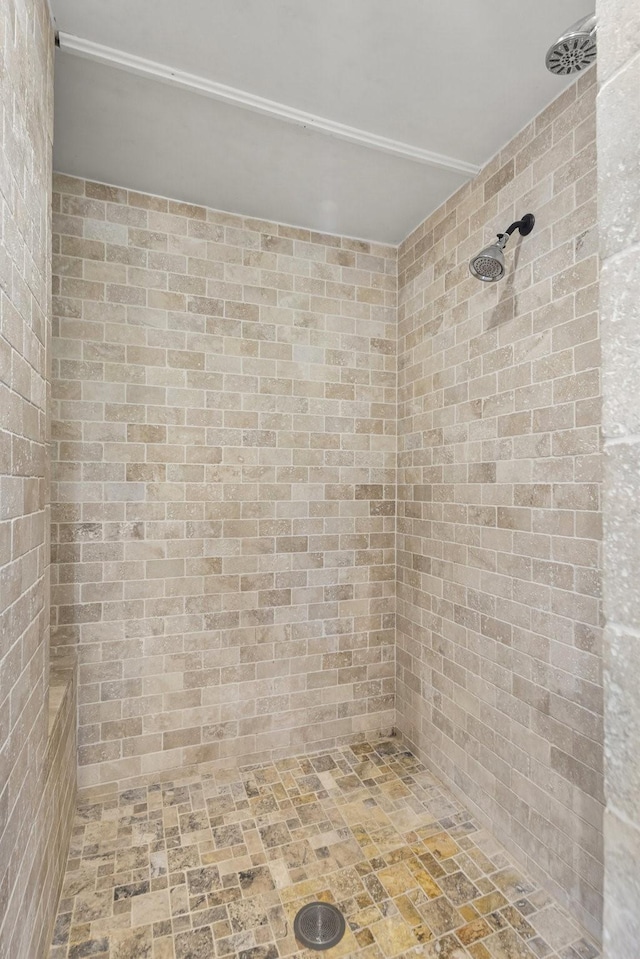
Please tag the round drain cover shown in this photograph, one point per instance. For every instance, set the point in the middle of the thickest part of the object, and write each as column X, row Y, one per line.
column 319, row 925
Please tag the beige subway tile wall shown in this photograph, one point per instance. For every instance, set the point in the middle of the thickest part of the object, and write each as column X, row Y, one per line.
column 37, row 731
column 224, row 482
column 498, row 602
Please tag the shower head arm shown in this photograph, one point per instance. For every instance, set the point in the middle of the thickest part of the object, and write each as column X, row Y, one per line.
column 586, row 25
column 524, row 226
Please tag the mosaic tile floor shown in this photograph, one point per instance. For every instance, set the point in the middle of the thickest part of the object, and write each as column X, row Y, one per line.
column 217, row 865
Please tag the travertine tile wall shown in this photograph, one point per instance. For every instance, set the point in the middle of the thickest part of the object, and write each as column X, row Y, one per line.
column 57, row 810
column 223, row 518
column 499, row 646
column 37, row 770
column 619, row 220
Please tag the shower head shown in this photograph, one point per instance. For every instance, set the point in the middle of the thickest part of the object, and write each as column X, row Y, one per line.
column 575, row 50
column 488, row 265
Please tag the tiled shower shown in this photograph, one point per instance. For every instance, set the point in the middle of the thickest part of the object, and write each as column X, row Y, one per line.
column 317, row 524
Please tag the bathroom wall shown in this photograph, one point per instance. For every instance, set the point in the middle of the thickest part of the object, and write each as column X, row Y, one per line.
column 223, row 518
column 37, row 730
column 619, row 204
column 499, row 645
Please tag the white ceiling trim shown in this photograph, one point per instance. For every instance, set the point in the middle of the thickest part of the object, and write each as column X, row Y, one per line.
column 248, row 101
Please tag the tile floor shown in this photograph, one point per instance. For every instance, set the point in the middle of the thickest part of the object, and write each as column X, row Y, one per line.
column 217, row 865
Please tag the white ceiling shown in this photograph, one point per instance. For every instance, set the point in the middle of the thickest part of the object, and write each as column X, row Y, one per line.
column 456, row 78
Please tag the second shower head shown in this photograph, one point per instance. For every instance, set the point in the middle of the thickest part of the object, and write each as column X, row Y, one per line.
column 576, row 49
column 488, row 265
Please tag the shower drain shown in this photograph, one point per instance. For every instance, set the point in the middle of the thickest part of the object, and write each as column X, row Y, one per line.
column 319, row 925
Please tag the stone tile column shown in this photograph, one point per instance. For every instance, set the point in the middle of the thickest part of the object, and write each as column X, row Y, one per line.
column 618, row 117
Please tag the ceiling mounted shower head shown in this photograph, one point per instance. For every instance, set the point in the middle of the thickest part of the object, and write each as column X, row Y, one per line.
column 575, row 50
column 488, row 265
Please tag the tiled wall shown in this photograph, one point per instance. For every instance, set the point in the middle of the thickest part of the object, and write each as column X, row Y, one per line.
column 499, row 646
column 224, row 528
column 223, row 504
column 37, row 770
column 619, row 203
column 58, row 806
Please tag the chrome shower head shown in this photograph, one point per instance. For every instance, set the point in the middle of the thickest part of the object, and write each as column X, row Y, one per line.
column 488, row 265
column 575, row 50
